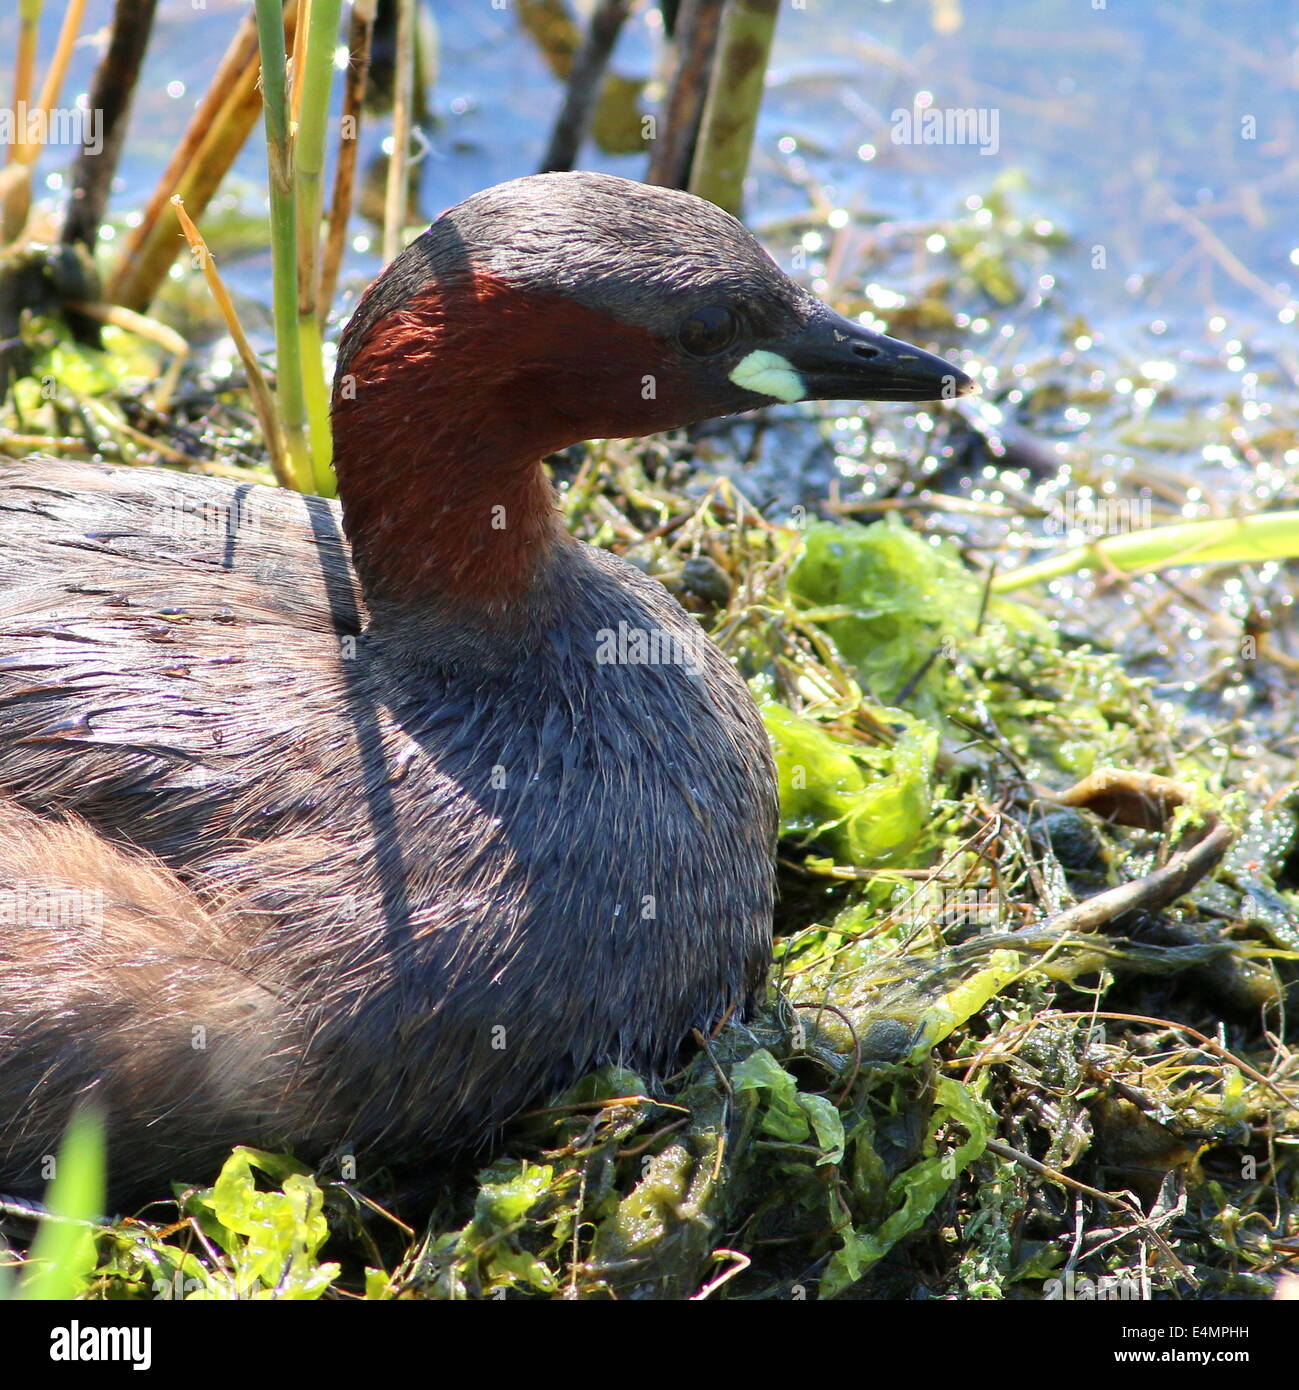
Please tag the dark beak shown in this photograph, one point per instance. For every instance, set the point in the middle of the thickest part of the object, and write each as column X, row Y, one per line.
column 840, row 360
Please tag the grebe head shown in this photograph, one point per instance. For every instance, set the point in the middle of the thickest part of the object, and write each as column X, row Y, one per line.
column 558, row 308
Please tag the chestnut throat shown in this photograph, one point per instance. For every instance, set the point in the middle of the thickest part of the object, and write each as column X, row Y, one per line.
column 443, row 408
column 443, row 494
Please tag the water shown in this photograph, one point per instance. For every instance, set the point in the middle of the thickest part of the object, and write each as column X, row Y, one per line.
column 1161, row 137
column 1119, row 115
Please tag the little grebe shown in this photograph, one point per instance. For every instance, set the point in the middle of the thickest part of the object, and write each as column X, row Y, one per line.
column 360, row 846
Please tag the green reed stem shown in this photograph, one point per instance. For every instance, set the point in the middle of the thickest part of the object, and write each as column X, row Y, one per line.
column 63, row 1255
column 1247, row 540
column 308, row 178
column 734, row 98
column 289, row 391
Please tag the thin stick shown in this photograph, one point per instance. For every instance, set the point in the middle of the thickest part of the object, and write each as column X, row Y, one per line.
column 1221, row 252
column 360, row 37
column 739, row 1263
column 394, row 206
column 698, row 22
column 263, row 401
column 15, row 445
column 1027, row 1161
column 584, row 84
column 110, row 93
column 166, row 338
column 1165, row 885
column 1206, row 1042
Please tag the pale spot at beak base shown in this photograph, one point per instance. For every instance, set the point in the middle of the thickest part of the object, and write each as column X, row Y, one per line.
column 769, row 374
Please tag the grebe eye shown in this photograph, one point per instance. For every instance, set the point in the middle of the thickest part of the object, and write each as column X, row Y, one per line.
column 708, row 331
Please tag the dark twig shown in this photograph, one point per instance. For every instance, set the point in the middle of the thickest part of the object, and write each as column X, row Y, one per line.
column 584, row 84
column 696, row 38
column 110, row 94
column 1145, row 801
column 1120, row 1203
column 1148, row 894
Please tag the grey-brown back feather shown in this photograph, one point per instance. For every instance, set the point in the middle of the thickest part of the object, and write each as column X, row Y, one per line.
column 432, row 876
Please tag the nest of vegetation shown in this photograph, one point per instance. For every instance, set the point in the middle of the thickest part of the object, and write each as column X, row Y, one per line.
column 1026, row 1035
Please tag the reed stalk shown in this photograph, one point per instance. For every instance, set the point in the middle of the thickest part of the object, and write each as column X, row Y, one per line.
column 698, row 22
column 360, row 38
column 111, row 93
column 58, row 69
column 29, row 23
column 16, row 182
column 263, row 401
column 216, row 133
column 1246, row 540
column 308, row 179
column 734, row 99
column 396, row 194
column 289, row 391
column 298, row 68
column 584, row 81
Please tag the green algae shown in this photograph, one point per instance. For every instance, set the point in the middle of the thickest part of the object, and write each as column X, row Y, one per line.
column 256, row 1234
column 787, row 1112
column 915, row 1192
column 60, row 365
column 869, row 806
